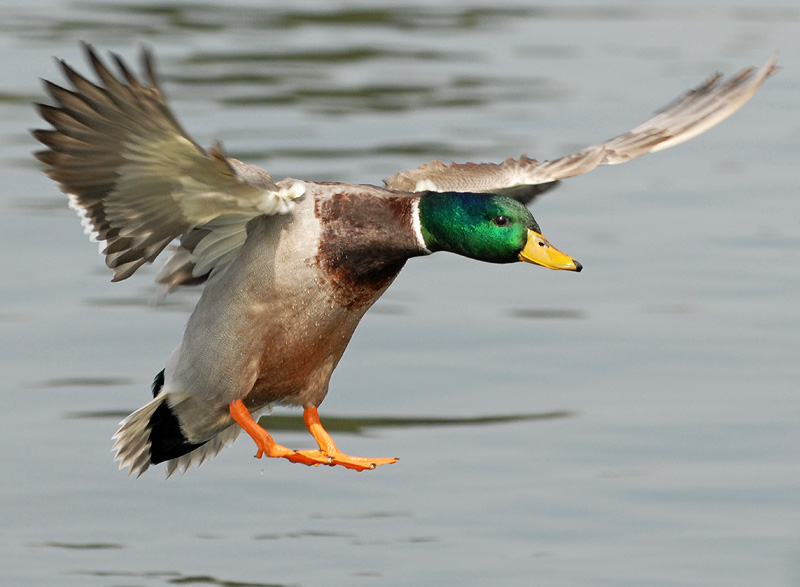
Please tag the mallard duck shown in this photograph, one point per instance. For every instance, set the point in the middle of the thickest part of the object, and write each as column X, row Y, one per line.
column 290, row 267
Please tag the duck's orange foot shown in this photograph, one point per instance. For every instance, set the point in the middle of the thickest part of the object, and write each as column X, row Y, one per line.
column 320, row 457
column 327, row 454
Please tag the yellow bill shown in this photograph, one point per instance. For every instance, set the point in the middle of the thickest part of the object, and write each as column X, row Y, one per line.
column 540, row 252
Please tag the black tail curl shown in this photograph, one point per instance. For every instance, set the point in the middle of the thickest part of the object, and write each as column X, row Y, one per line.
column 167, row 440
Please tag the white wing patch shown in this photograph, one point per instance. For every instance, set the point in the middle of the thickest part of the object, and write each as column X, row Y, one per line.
column 282, row 201
column 86, row 220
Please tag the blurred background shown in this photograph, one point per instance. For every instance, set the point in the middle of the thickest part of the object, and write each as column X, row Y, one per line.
column 636, row 424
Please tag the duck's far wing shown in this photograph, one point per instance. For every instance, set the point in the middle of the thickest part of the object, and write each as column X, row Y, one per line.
column 135, row 176
column 685, row 118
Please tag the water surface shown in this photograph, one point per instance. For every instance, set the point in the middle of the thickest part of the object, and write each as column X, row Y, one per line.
column 637, row 424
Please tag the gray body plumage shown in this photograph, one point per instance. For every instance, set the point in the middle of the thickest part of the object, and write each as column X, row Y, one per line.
column 271, row 326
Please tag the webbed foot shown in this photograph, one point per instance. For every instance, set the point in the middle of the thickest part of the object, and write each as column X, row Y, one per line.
column 327, row 454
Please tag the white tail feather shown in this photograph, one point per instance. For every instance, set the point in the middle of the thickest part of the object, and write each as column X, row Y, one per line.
column 132, row 440
column 133, row 449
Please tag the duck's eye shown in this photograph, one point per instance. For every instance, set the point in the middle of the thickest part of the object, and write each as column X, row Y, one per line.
column 501, row 220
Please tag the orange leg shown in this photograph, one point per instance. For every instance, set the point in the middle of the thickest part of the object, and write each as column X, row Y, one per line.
column 266, row 446
column 328, row 449
column 327, row 454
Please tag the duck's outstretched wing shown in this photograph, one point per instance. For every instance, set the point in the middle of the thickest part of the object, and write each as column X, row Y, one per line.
column 688, row 116
column 139, row 181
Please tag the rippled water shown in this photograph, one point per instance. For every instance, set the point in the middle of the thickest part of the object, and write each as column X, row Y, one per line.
column 637, row 424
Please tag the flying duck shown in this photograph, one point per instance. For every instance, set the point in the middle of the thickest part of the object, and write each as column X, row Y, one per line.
column 290, row 267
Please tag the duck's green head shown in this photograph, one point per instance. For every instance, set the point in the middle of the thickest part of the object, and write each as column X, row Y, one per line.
column 487, row 227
